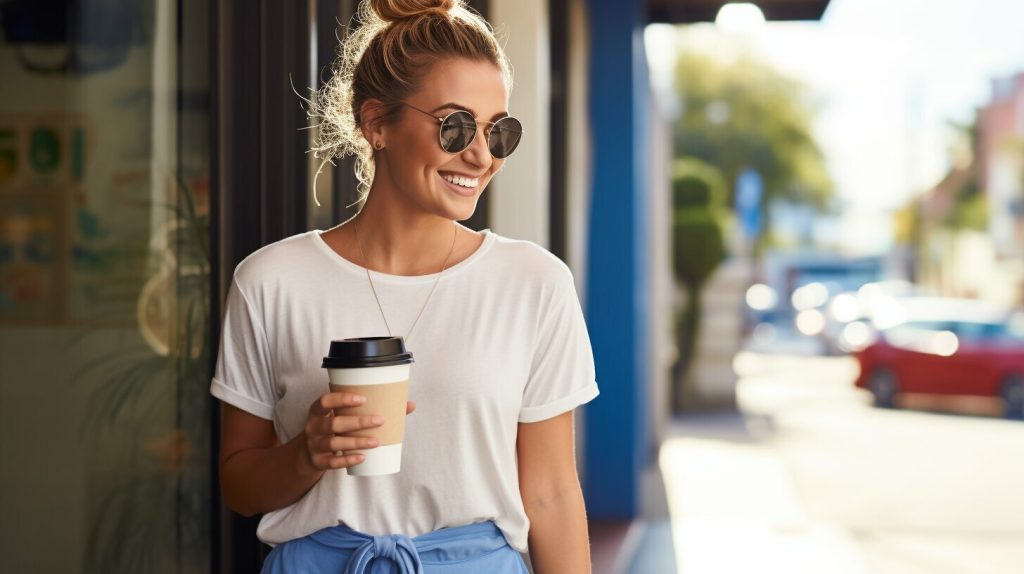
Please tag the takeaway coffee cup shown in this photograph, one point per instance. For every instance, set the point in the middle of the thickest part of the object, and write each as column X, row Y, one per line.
column 378, row 369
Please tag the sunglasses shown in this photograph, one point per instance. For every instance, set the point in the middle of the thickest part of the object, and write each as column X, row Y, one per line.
column 458, row 130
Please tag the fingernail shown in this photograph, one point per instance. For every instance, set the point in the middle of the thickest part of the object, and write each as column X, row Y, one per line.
column 359, row 399
column 377, row 419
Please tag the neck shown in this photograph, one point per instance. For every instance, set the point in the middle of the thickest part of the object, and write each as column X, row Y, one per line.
column 399, row 241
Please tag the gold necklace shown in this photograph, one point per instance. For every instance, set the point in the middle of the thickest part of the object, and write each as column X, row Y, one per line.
column 355, row 228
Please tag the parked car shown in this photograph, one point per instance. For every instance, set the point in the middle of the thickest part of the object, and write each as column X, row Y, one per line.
column 852, row 315
column 795, row 307
column 963, row 349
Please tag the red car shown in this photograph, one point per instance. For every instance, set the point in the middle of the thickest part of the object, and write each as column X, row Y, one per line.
column 947, row 357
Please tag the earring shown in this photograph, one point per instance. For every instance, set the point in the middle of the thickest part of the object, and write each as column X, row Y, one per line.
column 378, row 146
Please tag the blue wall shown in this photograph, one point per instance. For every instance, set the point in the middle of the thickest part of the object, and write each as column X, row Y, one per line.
column 617, row 305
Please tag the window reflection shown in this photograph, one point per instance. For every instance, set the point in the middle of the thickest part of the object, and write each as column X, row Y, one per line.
column 104, row 274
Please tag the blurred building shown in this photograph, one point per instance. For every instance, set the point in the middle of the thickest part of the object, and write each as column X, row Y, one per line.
column 1001, row 172
column 972, row 221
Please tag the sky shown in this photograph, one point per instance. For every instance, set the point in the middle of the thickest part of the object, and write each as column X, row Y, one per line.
column 889, row 74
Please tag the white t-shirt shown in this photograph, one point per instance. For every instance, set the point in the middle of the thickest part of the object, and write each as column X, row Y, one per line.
column 501, row 342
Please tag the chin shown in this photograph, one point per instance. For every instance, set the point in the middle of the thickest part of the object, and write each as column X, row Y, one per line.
column 459, row 207
column 462, row 214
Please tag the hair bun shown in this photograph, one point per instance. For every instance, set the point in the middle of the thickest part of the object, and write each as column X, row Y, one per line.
column 395, row 10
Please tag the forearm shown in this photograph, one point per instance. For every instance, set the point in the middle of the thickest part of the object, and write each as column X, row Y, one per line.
column 259, row 480
column 559, row 541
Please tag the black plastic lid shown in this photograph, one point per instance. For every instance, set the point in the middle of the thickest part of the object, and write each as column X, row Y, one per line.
column 367, row 352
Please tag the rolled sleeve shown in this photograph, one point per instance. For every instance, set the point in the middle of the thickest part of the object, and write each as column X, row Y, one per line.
column 243, row 376
column 562, row 375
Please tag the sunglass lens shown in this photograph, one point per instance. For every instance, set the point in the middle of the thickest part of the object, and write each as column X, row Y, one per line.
column 504, row 137
column 457, row 132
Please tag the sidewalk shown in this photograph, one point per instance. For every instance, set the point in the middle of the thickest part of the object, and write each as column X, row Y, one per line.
column 810, row 478
column 641, row 545
column 734, row 508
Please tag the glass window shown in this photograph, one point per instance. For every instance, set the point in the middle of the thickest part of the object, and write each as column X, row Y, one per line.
column 104, row 274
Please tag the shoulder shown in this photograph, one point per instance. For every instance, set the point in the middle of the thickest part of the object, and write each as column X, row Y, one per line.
column 533, row 269
column 531, row 260
column 279, row 259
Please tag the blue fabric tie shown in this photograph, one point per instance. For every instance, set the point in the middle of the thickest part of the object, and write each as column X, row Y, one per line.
column 468, row 549
column 396, row 547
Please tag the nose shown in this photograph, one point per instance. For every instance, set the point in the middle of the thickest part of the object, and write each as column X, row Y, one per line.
column 478, row 154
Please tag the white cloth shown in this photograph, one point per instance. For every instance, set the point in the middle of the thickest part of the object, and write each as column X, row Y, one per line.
column 501, row 342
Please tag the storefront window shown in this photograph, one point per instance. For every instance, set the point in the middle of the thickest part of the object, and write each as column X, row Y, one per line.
column 105, row 343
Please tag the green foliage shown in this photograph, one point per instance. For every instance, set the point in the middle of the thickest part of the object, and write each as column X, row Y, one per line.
column 969, row 212
column 907, row 223
column 698, row 242
column 698, row 245
column 746, row 114
column 970, row 204
column 696, row 183
column 153, row 515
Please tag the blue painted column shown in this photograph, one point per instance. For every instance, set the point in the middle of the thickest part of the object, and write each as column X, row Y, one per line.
column 617, row 305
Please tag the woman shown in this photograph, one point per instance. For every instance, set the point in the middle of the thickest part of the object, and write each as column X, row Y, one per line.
column 502, row 352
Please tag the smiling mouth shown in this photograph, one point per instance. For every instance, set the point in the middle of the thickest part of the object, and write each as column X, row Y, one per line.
column 463, row 182
column 464, row 186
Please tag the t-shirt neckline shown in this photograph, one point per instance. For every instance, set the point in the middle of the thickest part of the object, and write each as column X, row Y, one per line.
column 340, row 261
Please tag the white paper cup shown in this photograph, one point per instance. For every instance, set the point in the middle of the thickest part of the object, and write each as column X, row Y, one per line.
column 377, row 368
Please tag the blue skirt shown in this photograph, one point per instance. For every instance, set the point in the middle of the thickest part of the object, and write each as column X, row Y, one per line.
column 478, row 547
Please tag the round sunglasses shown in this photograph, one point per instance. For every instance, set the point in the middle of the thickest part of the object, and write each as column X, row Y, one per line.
column 459, row 128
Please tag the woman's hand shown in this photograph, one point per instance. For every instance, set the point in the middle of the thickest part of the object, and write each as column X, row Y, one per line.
column 327, row 434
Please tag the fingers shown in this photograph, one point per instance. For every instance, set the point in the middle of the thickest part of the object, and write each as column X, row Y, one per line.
column 347, row 424
column 319, row 426
column 323, row 406
column 333, row 444
column 328, row 461
column 332, row 451
column 346, row 461
column 330, row 437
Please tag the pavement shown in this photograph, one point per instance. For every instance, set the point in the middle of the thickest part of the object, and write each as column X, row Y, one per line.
column 808, row 477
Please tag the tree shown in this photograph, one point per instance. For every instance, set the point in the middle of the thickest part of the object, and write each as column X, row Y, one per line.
column 969, row 206
column 746, row 114
column 698, row 246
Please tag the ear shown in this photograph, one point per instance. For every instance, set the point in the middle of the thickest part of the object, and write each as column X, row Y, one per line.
column 371, row 124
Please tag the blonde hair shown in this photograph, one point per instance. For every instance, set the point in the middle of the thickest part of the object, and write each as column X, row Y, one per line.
column 384, row 58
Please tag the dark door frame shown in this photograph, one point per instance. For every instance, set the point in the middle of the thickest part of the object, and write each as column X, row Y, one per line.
column 258, row 50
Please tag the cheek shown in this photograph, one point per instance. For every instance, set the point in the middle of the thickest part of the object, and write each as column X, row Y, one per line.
column 416, row 144
column 428, row 154
column 416, row 156
column 495, row 168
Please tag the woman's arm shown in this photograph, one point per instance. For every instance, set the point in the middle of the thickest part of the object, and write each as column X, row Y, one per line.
column 258, row 474
column 550, row 488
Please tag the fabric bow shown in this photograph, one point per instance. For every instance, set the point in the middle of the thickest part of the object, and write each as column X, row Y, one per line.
column 396, row 547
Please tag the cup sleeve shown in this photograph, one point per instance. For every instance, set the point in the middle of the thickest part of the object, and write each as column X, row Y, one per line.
column 243, row 376
column 562, row 373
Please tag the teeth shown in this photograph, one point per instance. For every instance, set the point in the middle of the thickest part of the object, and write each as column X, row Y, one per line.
column 462, row 181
